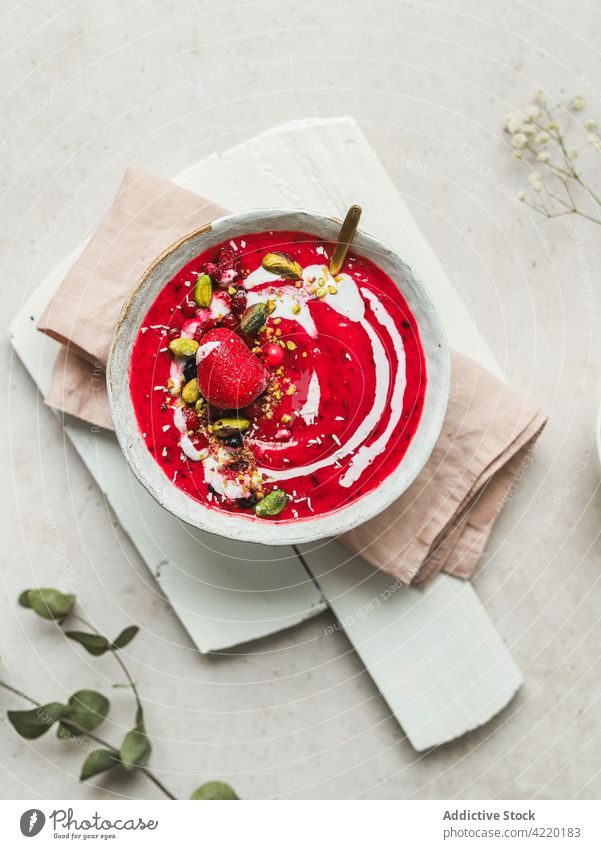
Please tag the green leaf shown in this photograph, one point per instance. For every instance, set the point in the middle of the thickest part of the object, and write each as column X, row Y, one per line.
column 86, row 708
column 98, row 761
column 33, row 723
column 214, row 790
column 48, row 603
column 24, row 598
column 135, row 748
column 93, row 643
column 125, row 637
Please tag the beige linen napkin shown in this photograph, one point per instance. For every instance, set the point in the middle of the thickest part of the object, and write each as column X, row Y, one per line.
column 443, row 520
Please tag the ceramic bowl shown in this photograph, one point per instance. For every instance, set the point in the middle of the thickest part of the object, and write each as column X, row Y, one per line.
column 241, row 527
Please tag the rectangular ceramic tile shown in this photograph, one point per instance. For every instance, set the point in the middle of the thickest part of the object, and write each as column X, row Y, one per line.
column 434, row 654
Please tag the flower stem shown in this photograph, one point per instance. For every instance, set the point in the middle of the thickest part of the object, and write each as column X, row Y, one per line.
column 68, row 723
column 126, row 672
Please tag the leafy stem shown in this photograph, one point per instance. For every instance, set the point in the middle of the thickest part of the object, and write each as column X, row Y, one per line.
column 115, row 652
column 78, row 729
column 87, row 709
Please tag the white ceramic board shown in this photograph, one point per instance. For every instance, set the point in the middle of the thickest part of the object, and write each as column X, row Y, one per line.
column 434, row 655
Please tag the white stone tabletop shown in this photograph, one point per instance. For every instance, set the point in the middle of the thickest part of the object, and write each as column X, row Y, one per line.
column 90, row 88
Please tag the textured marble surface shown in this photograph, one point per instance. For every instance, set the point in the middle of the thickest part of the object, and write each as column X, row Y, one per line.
column 88, row 89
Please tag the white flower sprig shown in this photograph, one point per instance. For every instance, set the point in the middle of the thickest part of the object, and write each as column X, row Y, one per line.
column 539, row 136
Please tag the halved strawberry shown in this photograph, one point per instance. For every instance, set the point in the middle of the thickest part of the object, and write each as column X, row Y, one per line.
column 229, row 375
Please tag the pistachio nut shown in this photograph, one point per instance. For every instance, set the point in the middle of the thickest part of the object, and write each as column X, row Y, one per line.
column 282, row 265
column 253, row 318
column 272, row 505
column 203, row 291
column 226, row 427
column 183, row 347
column 191, row 392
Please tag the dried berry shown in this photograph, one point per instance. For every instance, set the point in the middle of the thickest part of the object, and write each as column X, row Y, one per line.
column 188, row 308
column 247, row 502
column 206, row 324
column 227, row 268
column 239, row 301
column 234, row 441
column 230, row 321
column 211, row 269
column 190, row 370
column 253, row 411
column 191, row 419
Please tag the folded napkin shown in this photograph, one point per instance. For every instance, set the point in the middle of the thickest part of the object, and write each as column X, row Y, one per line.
column 443, row 520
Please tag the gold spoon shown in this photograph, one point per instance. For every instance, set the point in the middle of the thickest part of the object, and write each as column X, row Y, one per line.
column 345, row 237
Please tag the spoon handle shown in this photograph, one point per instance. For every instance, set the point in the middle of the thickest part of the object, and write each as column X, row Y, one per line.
column 345, row 237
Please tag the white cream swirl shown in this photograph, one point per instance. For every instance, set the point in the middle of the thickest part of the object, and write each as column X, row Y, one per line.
column 347, row 301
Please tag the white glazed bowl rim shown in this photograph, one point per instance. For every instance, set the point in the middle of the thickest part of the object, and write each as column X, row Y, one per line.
column 239, row 526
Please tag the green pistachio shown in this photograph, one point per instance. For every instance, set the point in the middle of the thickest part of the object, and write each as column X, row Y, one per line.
column 226, row 427
column 282, row 265
column 272, row 505
column 191, row 392
column 183, row 347
column 253, row 318
column 203, row 291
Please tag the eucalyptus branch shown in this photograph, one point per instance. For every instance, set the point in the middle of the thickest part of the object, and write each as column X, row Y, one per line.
column 538, row 138
column 115, row 652
column 87, row 709
column 80, row 730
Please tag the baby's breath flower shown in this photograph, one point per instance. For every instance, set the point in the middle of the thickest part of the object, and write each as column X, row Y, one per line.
column 534, row 137
column 532, row 112
column 578, row 103
column 513, row 122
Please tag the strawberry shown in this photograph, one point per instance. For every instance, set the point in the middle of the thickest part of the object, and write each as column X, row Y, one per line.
column 229, row 375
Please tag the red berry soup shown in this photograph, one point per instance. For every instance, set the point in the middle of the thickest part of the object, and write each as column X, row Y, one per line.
column 266, row 387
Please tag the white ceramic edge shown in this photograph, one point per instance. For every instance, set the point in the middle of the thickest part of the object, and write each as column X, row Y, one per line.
column 269, row 532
